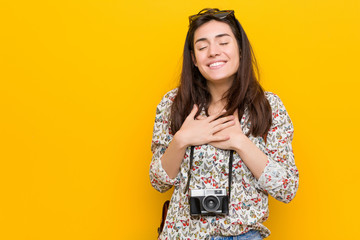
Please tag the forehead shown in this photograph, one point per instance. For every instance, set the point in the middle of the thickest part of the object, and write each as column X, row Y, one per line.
column 212, row 29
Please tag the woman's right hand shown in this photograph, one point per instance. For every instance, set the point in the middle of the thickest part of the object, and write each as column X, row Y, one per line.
column 194, row 132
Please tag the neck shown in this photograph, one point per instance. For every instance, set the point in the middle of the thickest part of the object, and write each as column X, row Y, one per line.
column 217, row 91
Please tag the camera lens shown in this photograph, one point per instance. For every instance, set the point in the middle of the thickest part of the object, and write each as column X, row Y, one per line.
column 211, row 203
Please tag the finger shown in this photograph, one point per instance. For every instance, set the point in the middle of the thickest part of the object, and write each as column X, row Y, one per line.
column 237, row 119
column 200, row 117
column 222, row 120
column 193, row 112
column 236, row 114
column 220, row 127
column 215, row 116
column 219, row 138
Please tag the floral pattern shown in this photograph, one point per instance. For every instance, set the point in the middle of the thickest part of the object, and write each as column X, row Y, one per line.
column 248, row 207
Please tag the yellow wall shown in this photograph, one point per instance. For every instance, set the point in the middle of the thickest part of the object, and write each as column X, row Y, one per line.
column 79, row 85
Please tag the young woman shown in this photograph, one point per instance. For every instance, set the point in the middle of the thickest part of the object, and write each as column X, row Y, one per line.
column 220, row 131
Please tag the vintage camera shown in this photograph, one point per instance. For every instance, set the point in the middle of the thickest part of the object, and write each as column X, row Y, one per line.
column 209, row 202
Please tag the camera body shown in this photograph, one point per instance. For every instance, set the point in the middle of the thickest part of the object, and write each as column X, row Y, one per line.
column 209, row 202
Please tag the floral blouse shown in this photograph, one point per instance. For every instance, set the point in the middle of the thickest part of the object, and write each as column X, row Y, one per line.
column 248, row 207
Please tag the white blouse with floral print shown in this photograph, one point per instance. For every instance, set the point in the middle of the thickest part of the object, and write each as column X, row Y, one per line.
column 248, row 207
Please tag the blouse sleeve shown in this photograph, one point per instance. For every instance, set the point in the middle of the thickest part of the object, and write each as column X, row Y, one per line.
column 161, row 139
column 280, row 177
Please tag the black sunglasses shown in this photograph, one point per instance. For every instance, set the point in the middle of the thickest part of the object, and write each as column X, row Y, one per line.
column 218, row 14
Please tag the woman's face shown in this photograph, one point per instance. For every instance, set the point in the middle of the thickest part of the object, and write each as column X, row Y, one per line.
column 216, row 52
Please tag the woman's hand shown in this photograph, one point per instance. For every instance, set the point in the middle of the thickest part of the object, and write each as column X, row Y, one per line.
column 250, row 154
column 235, row 133
column 205, row 130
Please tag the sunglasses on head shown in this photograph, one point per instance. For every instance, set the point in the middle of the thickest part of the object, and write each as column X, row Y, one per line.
column 218, row 14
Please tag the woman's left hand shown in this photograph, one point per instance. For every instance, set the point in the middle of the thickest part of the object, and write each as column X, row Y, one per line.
column 250, row 154
column 236, row 135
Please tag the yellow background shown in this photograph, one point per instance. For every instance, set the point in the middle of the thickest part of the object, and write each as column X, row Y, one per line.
column 79, row 85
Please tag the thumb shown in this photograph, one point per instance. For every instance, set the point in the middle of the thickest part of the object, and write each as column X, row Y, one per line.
column 236, row 115
column 193, row 112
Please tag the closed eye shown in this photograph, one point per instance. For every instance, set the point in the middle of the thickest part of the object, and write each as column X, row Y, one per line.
column 224, row 43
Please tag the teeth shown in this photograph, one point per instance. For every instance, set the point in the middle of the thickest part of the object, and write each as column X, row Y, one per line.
column 216, row 64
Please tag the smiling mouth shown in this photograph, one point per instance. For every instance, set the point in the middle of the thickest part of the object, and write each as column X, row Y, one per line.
column 216, row 64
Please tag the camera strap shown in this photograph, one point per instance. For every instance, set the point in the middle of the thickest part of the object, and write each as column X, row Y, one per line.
column 191, row 161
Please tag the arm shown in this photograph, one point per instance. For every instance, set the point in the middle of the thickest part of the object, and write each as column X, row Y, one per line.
column 160, row 141
column 280, row 177
column 168, row 150
column 274, row 167
column 192, row 133
column 251, row 155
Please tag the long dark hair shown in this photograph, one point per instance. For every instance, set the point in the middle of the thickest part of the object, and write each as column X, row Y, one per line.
column 245, row 94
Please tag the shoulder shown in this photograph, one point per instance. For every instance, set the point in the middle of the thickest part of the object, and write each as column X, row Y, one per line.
column 167, row 100
column 279, row 112
column 170, row 95
column 274, row 100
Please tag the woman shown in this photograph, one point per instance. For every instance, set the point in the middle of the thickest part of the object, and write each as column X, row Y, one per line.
column 241, row 137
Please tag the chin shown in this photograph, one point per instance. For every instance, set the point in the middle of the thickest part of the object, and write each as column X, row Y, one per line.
column 218, row 79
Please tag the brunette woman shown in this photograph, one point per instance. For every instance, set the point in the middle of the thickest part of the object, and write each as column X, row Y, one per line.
column 219, row 130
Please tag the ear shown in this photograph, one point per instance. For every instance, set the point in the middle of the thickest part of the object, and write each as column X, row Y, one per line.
column 193, row 58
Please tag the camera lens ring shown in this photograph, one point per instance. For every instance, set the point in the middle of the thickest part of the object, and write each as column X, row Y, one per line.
column 211, row 199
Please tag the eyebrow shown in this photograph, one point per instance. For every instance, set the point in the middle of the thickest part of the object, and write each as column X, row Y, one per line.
column 217, row 36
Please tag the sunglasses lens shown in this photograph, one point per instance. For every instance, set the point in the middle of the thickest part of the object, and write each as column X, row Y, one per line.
column 193, row 18
column 221, row 14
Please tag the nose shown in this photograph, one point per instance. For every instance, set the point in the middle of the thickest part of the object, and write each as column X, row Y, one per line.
column 214, row 50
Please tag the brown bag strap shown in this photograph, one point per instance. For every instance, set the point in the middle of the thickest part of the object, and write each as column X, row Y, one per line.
column 264, row 137
column 163, row 217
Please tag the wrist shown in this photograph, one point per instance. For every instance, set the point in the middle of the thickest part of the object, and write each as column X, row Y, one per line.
column 240, row 143
column 180, row 140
